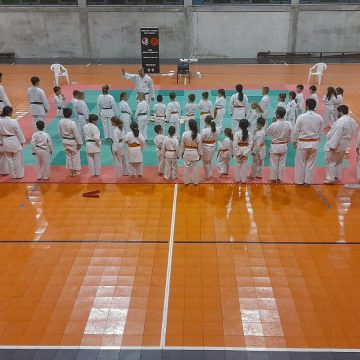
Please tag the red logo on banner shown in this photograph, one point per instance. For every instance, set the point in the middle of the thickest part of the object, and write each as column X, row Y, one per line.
column 154, row 41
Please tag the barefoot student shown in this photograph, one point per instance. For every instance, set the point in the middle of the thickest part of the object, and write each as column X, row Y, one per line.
column 92, row 138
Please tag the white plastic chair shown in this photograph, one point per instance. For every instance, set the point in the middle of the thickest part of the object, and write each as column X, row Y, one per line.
column 317, row 71
column 59, row 71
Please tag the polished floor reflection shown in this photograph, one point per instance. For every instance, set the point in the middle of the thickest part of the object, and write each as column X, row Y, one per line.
column 252, row 266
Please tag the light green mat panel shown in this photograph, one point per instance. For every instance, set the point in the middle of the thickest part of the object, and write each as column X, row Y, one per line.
column 58, row 157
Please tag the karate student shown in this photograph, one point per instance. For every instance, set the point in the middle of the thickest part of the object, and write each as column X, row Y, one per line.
column 220, row 107
column 190, row 109
column 142, row 114
column 39, row 105
column 239, row 107
column 337, row 142
column 280, row 132
column 159, row 111
column 241, row 146
column 225, row 152
column 72, row 141
column 330, row 100
column 306, row 136
column 340, row 96
column 170, row 152
column 209, row 136
column 136, row 144
column 107, row 109
column 13, row 141
column 143, row 83
column 358, row 158
column 205, row 107
column 59, row 100
column 265, row 101
column 313, row 95
column 173, row 113
column 92, row 138
column 258, row 150
column 42, row 148
column 191, row 151
column 82, row 112
column 300, row 101
column 118, row 147
column 255, row 113
column 290, row 109
column 158, row 141
column 74, row 101
column 4, row 100
column 4, row 167
column 281, row 100
column 125, row 111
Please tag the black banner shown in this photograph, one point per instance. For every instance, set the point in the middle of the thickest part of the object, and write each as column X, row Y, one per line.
column 150, row 50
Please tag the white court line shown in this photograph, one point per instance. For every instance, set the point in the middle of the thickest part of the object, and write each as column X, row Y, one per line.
column 199, row 348
column 168, row 272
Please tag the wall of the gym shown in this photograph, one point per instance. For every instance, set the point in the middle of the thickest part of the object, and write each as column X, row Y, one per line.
column 206, row 31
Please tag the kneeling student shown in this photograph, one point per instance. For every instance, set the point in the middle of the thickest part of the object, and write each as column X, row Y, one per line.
column 92, row 138
column 42, row 148
column 170, row 152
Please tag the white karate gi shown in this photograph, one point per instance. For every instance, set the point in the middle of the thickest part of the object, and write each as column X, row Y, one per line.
column 118, row 151
column 136, row 145
column 337, row 143
column 329, row 115
column 224, row 155
column 189, row 110
column 4, row 100
column 42, row 147
column 264, row 104
column 191, row 151
column 358, row 157
column 39, row 105
column 170, row 152
column 4, row 166
column 258, row 151
column 281, row 104
column 338, row 100
column 13, row 139
column 241, row 151
column 306, row 134
column 205, row 108
column 74, row 113
column 70, row 137
column 280, row 132
column 82, row 112
column 59, row 104
column 158, row 141
column 142, row 84
column 159, row 113
column 291, row 112
column 107, row 109
column 125, row 115
column 219, row 111
column 209, row 140
column 141, row 115
column 300, row 104
column 238, row 110
column 253, row 116
column 92, row 138
column 316, row 98
column 173, row 116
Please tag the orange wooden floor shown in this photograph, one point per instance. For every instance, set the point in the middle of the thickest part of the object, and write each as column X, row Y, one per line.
column 252, row 266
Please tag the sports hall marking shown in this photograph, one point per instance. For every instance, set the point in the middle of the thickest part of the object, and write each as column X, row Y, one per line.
column 86, row 241
column 168, row 271
column 266, row 242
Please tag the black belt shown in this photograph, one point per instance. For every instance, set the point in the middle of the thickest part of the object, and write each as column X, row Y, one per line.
column 90, row 140
column 40, row 147
column 125, row 112
column 106, row 108
column 68, row 138
column 80, row 114
column 143, row 93
column 7, row 135
column 140, row 114
column 37, row 103
column 1, row 100
column 59, row 108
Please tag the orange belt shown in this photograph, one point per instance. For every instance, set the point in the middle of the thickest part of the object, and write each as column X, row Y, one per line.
column 242, row 144
column 280, row 143
column 190, row 114
column 209, row 142
column 160, row 116
column 222, row 150
column 190, row 147
column 238, row 106
column 170, row 150
column 309, row 140
column 133, row 145
column 204, row 113
column 174, row 112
